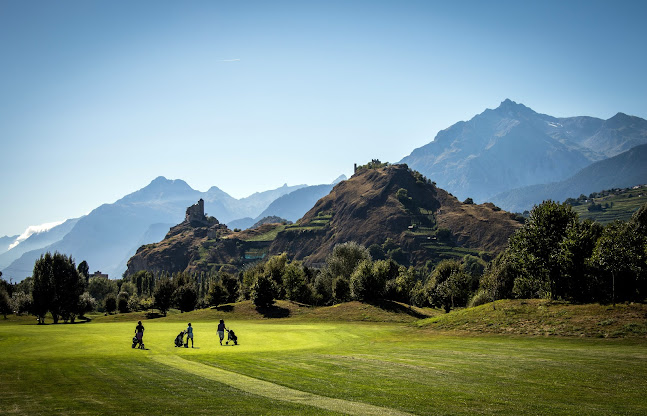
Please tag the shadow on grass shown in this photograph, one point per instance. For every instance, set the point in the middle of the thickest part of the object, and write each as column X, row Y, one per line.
column 395, row 307
column 273, row 311
column 154, row 315
column 224, row 308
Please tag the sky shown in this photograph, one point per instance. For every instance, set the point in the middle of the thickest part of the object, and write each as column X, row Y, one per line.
column 98, row 98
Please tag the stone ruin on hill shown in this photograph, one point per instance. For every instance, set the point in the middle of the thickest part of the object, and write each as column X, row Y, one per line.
column 195, row 215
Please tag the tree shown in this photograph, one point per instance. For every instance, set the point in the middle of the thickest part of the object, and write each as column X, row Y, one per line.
column 43, row 290
column 57, row 287
column 449, row 285
column 129, row 288
column 21, row 302
column 84, row 270
column 86, row 303
column 263, row 291
column 535, row 247
column 295, row 284
column 217, row 294
column 122, row 302
column 5, row 304
column 186, row 297
column 231, row 285
column 344, row 258
column 163, row 294
column 110, row 303
column 341, row 289
column 323, row 289
column 71, row 287
column 578, row 282
column 368, row 281
column 402, row 195
column 275, row 268
column 100, row 287
column 499, row 277
column 619, row 256
column 404, row 284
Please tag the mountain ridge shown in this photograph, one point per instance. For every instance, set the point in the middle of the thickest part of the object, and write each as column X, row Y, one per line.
column 621, row 171
column 513, row 146
column 389, row 206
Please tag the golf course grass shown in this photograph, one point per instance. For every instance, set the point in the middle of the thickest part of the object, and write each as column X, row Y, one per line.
column 300, row 367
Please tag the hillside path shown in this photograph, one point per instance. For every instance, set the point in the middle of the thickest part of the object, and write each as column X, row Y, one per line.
column 274, row 391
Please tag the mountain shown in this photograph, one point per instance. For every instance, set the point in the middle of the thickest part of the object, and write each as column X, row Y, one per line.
column 391, row 207
column 36, row 240
column 290, row 206
column 6, row 242
column 622, row 171
column 108, row 236
column 512, row 146
column 399, row 205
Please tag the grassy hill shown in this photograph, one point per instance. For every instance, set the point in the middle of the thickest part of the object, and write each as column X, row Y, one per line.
column 397, row 204
column 512, row 317
column 542, row 317
column 616, row 204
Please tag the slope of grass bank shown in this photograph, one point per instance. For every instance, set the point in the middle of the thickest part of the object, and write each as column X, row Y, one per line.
column 386, row 311
column 542, row 317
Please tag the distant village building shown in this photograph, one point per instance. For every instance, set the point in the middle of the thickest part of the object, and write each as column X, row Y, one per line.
column 98, row 274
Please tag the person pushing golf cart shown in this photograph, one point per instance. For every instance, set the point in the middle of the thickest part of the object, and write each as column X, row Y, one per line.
column 138, row 340
column 221, row 330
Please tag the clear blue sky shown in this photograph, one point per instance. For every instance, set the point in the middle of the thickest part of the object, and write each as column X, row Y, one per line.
column 97, row 98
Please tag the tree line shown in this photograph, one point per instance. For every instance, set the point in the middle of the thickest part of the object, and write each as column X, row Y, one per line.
column 553, row 255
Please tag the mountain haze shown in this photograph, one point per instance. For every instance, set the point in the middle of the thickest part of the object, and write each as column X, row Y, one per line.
column 108, row 236
column 621, row 171
column 35, row 241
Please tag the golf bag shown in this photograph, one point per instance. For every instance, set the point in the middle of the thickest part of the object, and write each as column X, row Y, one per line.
column 137, row 343
column 179, row 340
column 231, row 336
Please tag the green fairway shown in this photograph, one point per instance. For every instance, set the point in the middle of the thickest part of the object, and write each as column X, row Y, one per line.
column 292, row 367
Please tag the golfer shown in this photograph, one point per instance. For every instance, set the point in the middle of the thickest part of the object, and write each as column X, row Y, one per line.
column 189, row 335
column 221, row 330
column 139, row 331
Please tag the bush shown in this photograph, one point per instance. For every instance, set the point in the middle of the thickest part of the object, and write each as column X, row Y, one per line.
column 21, row 302
column 86, row 303
column 480, row 298
column 110, row 303
column 340, row 289
column 133, row 303
column 122, row 302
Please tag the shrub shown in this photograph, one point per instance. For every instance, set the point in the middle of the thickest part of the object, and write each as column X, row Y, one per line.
column 122, row 302
column 480, row 298
column 341, row 289
column 110, row 303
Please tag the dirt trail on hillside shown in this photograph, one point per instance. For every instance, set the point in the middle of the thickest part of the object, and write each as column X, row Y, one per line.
column 274, row 391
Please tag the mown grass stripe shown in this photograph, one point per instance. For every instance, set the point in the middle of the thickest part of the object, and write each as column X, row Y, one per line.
column 274, row 391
